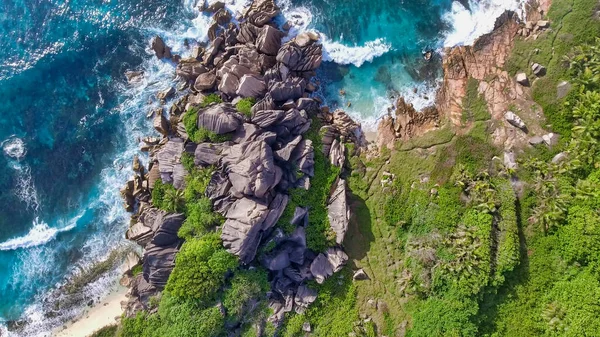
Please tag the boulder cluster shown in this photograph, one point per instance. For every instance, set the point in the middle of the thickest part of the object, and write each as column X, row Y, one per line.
column 266, row 154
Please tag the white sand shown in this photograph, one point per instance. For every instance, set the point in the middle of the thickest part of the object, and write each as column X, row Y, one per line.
column 96, row 317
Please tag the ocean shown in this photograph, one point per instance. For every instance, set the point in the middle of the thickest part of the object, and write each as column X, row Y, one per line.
column 70, row 123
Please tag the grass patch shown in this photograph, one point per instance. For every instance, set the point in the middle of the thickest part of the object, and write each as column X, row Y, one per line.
column 244, row 106
column 474, row 104
column 432, row 138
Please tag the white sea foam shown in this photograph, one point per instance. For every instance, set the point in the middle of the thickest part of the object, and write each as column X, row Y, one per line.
column 14, row 147
column 39, row 234
column 340, row 53
column 24, row 187
column 468, row 25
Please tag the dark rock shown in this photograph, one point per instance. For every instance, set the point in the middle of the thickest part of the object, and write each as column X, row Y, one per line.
column 215, row 6
column 222, row 16
column 161, row 124
column 268, row 40
column 303, row 157
column 190, row 68
column 337, row 153
column 300, row 214
column 247, row 33
column 360, row 275
column 276, row 208
column 166, row 94
column 209, row 154
column 160, row 48
column 242, row 230
column 261, row 12
column 324, row 265
column 292, row 88
column 285, row 153
column 206, row 81
column 305, row 296
column 219, row 118
column 538, row 70
column 251, row 86
column 218, row 192
column 514, row 120
column 266, row 118
column 169, row 157
column 251, row 169
column 522, row 79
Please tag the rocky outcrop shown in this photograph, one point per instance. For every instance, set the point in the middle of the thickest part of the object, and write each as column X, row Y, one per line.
column 267, row 153
column 406, row 123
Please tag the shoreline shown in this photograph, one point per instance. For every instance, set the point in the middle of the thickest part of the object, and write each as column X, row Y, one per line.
column 97, row 316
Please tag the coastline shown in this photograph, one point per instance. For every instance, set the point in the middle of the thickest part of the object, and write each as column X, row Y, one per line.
column 97, row 316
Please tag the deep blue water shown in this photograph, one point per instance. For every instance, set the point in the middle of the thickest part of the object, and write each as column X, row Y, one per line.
column 69, row 122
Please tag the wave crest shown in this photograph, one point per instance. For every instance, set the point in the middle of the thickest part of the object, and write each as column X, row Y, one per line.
column 468, row 25
column 356, row 55
column 14, row 147
column 39, row 234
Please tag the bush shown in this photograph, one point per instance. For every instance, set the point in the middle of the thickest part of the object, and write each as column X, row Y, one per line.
column 244, row 106
column 246, row 285
column 200, row 219
column 200, row 269
column 107, row 331
column 319, row 234
column 167, row 197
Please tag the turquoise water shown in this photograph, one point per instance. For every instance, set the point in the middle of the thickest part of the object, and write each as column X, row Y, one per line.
column 69, row 122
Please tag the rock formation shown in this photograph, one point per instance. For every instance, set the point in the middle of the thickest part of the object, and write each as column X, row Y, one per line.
column 267, row 154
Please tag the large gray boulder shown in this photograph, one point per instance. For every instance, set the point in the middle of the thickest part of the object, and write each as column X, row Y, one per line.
column 305, row 296
column 514, row 120
column 190, row 69
column 338, row 212
column 292, row 88
column 242, row 230
column 261, row 12
column 168, row 157
column 251, row 169
column 160, row 48
column 266, row 118
column 325, row 264
column 268, row 40
column 209, row 154
column 251, row 86
column 300, row 59
column 205, row 81
column 303, row 157
column 337, row 153
column 219, row 118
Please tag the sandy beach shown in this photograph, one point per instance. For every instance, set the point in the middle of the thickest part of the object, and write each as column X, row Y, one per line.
column 96, row 317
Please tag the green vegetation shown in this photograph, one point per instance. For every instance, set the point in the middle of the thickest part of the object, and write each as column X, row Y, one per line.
column 244, row 106
column 107, row 331
column 167, row 197
column 572, row 25
column 200, row 268
column 137, row 270
column 474, row 105
column 333, row 313
column 319, row 234
column 190, row 122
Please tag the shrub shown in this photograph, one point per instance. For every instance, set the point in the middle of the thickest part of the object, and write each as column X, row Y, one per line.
column 190, row 122
column 200, row 219
column 107, row 331
column 200, row 269
column 244, row 106
column 167, row 197
column 246, row 285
